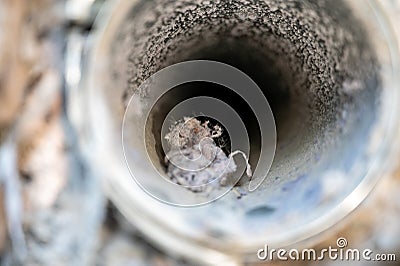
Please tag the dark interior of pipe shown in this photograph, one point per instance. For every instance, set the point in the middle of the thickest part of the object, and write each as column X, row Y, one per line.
column 195, row 89
column 311, row 60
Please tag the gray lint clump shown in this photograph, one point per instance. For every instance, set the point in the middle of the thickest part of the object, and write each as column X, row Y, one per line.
column 194, row 160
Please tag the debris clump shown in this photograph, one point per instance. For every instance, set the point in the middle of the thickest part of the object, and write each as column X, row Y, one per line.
column 194, row 160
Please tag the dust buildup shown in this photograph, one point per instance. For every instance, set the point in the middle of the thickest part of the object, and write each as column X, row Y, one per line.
column 190, row 132
column 316, row 50
column 194, row 159
column 312, row 60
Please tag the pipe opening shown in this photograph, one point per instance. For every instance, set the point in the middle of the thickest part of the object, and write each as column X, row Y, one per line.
column 312, row 61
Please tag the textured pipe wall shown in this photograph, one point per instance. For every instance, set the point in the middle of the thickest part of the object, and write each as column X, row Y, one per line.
column 312, row 60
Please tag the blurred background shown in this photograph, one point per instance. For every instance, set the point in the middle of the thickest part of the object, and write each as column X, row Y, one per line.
column 53, row 210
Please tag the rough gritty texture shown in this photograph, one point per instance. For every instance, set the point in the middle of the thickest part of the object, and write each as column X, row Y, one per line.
column 314, row 46
column 325, row 70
